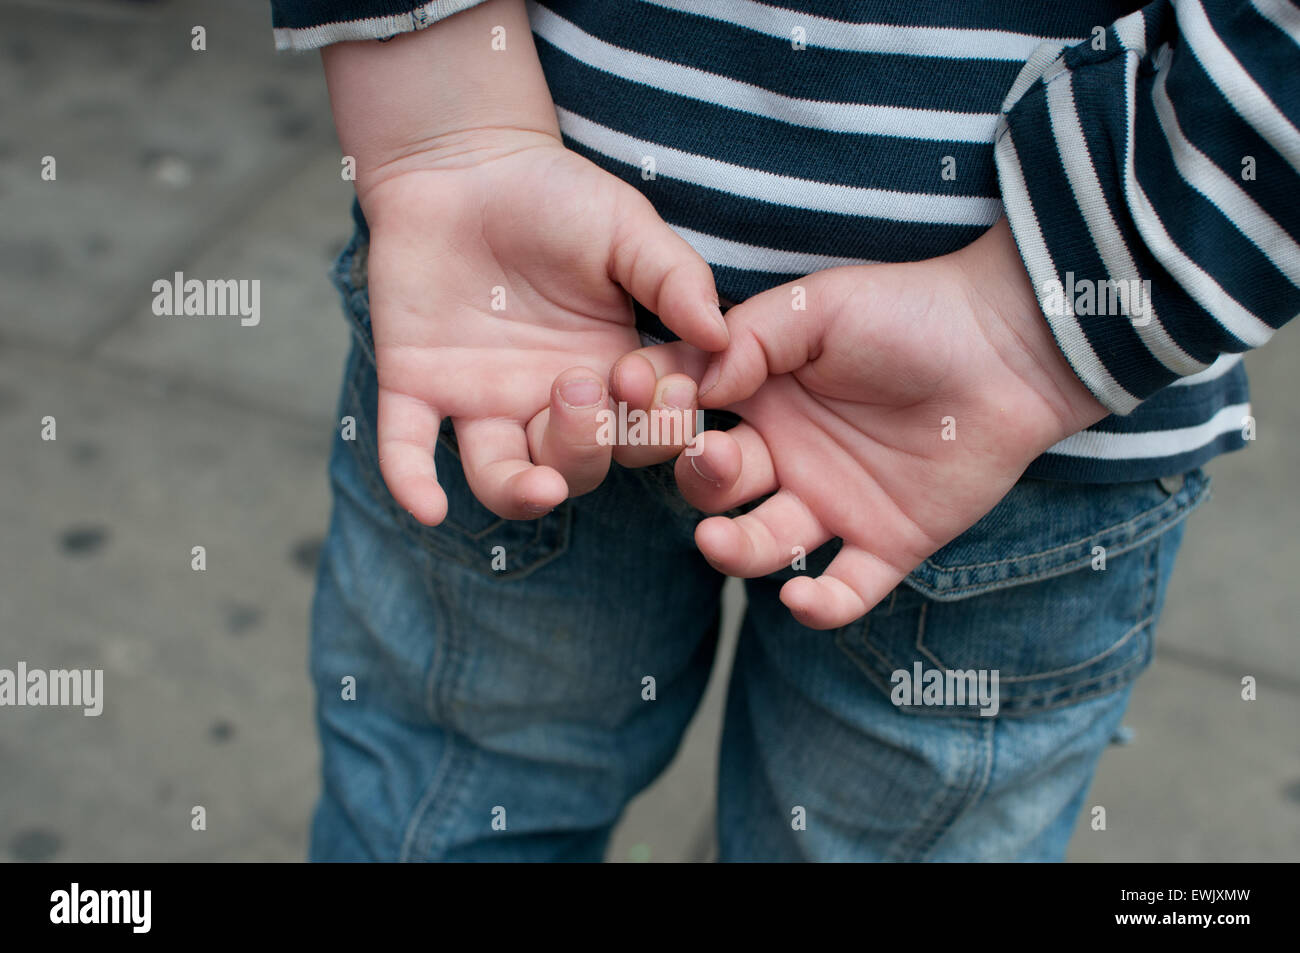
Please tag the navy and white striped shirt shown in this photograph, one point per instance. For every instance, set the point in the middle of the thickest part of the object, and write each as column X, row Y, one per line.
column 1147, row 158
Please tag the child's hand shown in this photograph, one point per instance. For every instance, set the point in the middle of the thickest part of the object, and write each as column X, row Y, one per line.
column 902, row 405
column 499, row 262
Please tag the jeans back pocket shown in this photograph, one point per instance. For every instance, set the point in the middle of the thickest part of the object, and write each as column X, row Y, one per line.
column 1054, row 593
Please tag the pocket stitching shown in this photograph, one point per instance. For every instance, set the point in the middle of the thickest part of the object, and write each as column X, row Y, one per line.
column 1047, row 552
column 1053, row 674
column 1161, row 525
column 434, row 543
column 341, row 277
column 1083, row 691
column 1071, row 693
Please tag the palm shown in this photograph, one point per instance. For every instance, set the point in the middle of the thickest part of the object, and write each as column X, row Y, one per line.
column 488, row 281
column 482, row 312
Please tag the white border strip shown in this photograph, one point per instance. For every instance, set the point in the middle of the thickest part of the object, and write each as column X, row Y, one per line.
column 1096, row 445
column 1221, row 365
column 887, row 38
column 743, row 257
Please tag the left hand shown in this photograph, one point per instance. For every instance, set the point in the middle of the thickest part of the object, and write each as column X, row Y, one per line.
column 893, row 413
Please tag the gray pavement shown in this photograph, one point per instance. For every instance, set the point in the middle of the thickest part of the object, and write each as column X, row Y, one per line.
column 176, row 433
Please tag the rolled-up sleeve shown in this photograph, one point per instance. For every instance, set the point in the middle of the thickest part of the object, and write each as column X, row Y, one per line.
column 311, row 24
column 1158, row 165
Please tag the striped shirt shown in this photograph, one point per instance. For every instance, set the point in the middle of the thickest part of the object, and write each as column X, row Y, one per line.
column 1147, row 159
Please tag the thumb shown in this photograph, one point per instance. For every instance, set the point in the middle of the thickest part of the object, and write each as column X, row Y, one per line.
column 657, row 267
column 772, row 333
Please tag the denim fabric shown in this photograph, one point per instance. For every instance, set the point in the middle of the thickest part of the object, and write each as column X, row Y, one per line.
column 514, row 693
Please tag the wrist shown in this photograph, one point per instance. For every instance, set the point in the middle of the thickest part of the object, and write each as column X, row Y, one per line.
column 442, row 96
column 1011, row 318
column 460, row 150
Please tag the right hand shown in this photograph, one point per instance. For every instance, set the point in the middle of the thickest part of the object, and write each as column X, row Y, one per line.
column 893, row 413
column 500, row 267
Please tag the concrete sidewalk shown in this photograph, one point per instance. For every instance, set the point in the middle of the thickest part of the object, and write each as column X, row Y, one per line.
column 176, row 433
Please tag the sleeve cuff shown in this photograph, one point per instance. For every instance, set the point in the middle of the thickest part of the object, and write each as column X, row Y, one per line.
column 1047, row 64
column 381, row 27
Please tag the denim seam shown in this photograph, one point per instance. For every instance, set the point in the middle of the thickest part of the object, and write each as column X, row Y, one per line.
column 908, row 843
column 1104, row 531
column 1077, row 666
column 441, row 663
column 1152, row 584
column 343, row 277
column 920, row 645
column 1114, row 681
column 363, row 335
column 446, row 675
column 1093, row 688
column 949, row 803
column 1069, row 693
column 1170, row 502
column 980, row 588
column 973, row 795
column 1098, row 685
column 427, row 840
column 425, row 801
column 1098, row 688
column 1073, row 691
column 563, row 533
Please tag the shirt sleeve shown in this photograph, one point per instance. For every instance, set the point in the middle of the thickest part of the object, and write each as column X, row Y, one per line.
column 1151, row 176
column 310, row 24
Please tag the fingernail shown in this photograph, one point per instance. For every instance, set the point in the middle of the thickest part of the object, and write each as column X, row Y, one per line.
column 582, row 392
column 711, row 376
column 702, row 468
column 537, row 509
column 679, row 396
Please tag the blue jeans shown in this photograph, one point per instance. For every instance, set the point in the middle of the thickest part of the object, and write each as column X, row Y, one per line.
column 497, row 690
